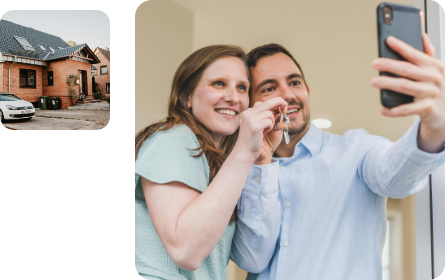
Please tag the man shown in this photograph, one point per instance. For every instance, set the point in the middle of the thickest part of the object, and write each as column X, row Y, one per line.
column 317, row 211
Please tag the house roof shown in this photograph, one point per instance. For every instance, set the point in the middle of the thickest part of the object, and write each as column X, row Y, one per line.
column 10, row 45
column 106, row 53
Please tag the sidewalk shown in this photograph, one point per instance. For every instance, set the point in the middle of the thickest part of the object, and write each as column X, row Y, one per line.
column 90, row 116
column 91, row 106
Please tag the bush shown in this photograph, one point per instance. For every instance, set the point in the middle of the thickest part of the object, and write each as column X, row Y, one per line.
column 94, row 86
column 97, row 95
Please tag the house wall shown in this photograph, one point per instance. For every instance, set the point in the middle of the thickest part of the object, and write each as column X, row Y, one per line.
column 28, row 94
column 101, row 80
column 62, row 69
column 1, row 78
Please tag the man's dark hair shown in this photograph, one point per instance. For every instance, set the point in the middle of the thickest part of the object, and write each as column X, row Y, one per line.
column 254, row 55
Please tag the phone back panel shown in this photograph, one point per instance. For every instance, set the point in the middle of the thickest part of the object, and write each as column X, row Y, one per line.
column 406, row 26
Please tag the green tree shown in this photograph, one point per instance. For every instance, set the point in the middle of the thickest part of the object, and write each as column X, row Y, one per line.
column 71, row 43
column 94, row 85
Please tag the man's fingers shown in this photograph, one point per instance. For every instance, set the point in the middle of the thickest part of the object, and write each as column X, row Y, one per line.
column 428, row 46
column 401, row 85
column 406, row 69
column 420, row 107
column 409, row 53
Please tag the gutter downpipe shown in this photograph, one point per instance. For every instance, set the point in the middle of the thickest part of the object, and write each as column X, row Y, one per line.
column 9, row 75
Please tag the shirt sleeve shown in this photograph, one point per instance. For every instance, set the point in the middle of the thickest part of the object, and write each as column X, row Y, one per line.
column 396, row 169
column 259, row 219
column 167, row 157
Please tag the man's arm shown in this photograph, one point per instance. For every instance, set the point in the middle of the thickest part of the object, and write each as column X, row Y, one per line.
column 395, row 169
column 430, row 140
column 259, row 219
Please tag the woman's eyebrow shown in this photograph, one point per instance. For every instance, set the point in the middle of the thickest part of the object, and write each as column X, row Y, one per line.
column 225, row 79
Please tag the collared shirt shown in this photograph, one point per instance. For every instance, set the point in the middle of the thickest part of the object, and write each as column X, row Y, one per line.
column 321, row 214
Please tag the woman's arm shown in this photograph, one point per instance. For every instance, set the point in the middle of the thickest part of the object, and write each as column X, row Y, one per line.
column 190, row 223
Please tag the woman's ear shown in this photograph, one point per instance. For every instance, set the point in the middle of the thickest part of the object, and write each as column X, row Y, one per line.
column 189, row 101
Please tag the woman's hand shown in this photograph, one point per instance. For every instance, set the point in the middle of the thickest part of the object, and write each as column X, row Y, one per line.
column 271, row 140
column 257, row 137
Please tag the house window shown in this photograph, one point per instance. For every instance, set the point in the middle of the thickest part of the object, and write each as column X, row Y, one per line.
column 103, row 70
column 27, row 78
column 50, row 78
column 93, row 72
column 108, row 87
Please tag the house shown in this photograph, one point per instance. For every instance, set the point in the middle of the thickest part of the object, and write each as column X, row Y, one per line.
column 101, row 71
column 34, row 64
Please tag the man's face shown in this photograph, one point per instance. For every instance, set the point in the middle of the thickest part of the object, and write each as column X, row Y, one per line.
column 278, row 76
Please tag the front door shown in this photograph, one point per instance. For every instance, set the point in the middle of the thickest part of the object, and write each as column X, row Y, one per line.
column 84, row 83
column 80, row 82
column 83, row 87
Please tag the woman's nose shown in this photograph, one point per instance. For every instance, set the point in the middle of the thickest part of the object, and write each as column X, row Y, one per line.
column 232, row 95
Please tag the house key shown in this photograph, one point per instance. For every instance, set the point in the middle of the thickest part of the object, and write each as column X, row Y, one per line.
column 283, row 125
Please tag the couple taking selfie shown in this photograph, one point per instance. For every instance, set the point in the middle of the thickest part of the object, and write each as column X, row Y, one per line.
column 215, row 181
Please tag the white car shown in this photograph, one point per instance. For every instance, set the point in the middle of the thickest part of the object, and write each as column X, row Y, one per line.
column 13, row 107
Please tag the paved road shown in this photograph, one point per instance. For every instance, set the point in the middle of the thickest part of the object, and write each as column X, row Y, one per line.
column 91, row 116
column 85, row 115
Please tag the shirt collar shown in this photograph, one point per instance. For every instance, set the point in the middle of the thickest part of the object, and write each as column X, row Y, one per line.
column 312, row 140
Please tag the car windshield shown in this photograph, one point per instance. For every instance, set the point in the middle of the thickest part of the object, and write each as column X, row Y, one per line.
column 9, row 97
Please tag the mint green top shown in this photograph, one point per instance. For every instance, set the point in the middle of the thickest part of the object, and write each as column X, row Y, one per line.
column 165, row 157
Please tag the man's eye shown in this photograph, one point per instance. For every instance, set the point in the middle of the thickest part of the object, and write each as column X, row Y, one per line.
column 295, row 83
column 268, row 89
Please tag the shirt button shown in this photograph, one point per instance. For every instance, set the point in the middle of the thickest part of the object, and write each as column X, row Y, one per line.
column 257, row 179
column 257, row 218
column 285, row 243
column 288, row 204
column 283, row 168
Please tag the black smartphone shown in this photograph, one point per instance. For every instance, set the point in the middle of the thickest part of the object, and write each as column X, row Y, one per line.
column 404, row 23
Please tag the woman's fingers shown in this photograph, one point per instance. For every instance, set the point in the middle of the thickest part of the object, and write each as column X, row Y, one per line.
column 402, row 85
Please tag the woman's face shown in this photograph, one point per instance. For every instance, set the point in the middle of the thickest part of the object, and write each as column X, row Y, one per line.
column 221, row 96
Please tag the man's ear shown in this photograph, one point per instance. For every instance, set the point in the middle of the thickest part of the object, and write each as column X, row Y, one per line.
column 308, row 90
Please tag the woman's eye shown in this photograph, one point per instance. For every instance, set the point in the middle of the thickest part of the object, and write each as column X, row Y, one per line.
column 218, row 84
column 295, row 83
column 242, row 88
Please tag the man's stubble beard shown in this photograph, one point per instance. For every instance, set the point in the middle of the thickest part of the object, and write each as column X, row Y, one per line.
column 295, row 131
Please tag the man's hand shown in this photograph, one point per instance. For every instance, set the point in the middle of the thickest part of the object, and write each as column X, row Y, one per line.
column 424, row 78
column 271, row 140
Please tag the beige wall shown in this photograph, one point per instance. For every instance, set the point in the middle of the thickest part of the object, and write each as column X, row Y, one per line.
column 334, row 41
column 164, row 35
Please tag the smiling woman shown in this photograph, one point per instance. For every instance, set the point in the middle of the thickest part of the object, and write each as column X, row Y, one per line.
column 191, row 167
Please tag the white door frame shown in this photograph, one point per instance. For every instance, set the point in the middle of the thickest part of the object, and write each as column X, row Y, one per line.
column 430, row 221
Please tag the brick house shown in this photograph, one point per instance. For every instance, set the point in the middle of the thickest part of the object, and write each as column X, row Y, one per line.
column 35, row 63
column 102, row 70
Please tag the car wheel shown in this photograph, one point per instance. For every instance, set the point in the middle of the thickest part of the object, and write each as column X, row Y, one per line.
column 1, row 116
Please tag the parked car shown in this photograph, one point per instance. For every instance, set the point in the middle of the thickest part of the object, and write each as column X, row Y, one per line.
column 13, row 107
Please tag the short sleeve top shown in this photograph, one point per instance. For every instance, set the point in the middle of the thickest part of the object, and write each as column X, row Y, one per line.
column 167, row 156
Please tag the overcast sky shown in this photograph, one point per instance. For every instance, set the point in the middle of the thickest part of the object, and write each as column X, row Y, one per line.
column 78, row 26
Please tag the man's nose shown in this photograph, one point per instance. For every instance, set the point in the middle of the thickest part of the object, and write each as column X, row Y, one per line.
column 287, row 93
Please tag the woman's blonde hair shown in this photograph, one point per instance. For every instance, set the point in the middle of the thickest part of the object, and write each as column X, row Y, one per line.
column 184, row 83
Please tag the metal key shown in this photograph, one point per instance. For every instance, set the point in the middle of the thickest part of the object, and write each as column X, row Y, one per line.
column 283, row 125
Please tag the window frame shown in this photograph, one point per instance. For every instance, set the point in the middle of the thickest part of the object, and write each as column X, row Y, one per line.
column 106, row 67
column 52, row 76
column 26, row 80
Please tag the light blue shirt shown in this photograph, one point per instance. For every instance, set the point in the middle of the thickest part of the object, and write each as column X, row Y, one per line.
column 321, row 214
